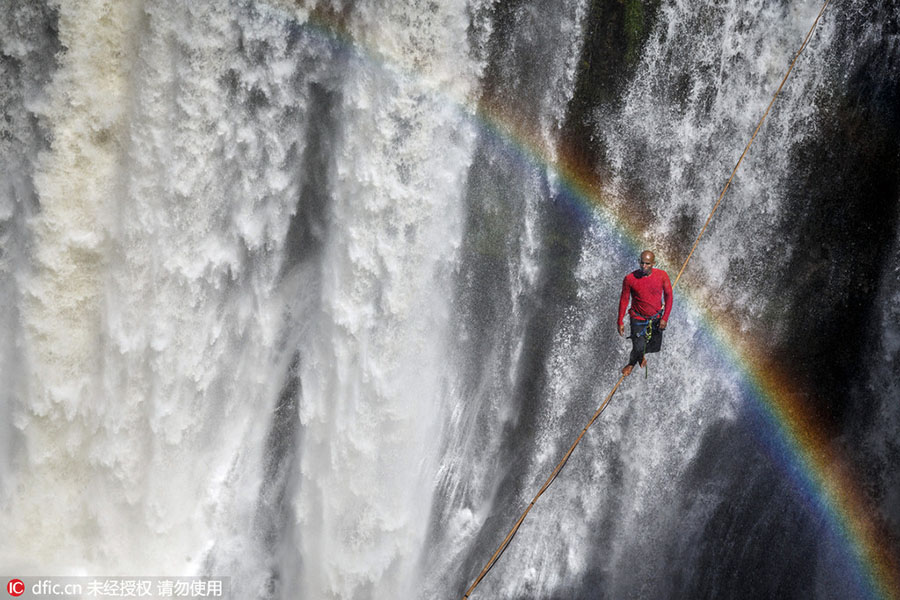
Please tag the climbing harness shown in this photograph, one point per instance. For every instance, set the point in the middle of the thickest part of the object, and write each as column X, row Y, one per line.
column 647, row 326
column 555, row 473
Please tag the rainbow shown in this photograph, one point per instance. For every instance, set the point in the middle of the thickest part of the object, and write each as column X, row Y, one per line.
column 796, row 440
column 793, row 435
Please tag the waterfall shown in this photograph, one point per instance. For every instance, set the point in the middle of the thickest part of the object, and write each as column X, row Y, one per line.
column 315, row 294
column 372, row 367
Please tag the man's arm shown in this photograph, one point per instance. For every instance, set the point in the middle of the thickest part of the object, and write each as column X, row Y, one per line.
column 623, row 305
column 668, row 295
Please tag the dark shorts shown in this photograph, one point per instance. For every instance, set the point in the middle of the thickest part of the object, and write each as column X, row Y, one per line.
column 640, row 344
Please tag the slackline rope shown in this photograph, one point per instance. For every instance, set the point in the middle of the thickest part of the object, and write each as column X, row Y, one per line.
column 555, row 473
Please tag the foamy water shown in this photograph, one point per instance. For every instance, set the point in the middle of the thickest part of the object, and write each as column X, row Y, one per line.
column 281, row 303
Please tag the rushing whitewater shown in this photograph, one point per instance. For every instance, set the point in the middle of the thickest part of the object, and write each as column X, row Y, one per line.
column 311, row 294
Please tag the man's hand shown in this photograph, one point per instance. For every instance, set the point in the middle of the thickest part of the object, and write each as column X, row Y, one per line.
column 663, row 324
column 621, row 329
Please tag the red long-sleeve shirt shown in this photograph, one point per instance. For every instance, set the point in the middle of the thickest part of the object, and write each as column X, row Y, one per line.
column 647, row 293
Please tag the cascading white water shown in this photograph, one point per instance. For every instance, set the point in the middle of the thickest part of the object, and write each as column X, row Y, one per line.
column 684, row 120
column 501, row 275
column 25, row 70
column 687, row 117
column 373, row 369
column 162, row 315
column 280, row 304
column 135, row 341
column 703, row 82
column 692, row 108
column 75, row 181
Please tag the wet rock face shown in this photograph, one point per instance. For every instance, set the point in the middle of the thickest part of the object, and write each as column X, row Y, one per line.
column 615, row 32
column 843, row 217
column 835, row 237
column 385, row 293
column 842, row 211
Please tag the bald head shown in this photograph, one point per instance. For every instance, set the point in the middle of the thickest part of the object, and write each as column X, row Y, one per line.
column 648, row 259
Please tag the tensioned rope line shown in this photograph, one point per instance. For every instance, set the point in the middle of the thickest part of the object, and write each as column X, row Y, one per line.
column 505, row 543
column 753, row 137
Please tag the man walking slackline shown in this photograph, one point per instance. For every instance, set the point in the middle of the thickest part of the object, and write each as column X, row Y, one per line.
column 650, row 292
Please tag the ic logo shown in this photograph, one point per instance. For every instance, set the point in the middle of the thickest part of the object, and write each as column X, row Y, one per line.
column 15, row 587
